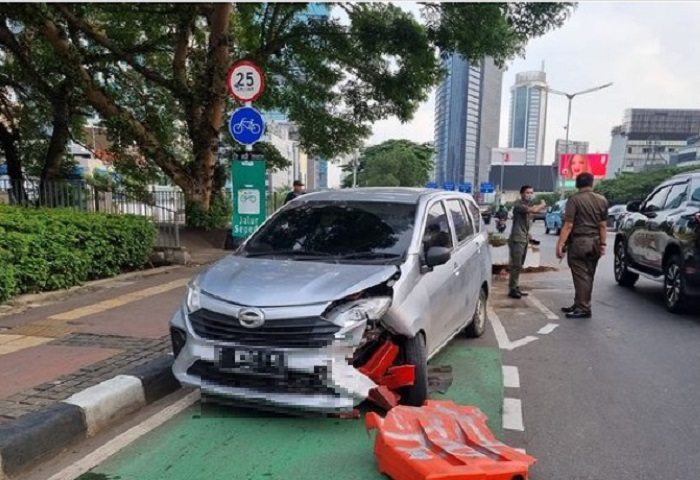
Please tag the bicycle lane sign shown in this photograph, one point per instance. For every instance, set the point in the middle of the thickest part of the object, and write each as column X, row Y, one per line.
column 249, row 201
column 247, row 126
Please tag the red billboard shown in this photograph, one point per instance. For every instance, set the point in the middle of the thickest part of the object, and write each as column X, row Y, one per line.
column 573, row 164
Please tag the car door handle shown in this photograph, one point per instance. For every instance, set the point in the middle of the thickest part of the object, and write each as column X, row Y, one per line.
column 456, row 269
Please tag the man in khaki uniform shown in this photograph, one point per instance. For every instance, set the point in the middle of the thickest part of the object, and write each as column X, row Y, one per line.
column 584, row 237
column 520, row 237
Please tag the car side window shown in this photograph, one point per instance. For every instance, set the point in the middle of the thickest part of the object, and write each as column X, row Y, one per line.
column 437, row 228
column 657, row 200
column 476, row 215
column 460, row 219
column 678, row 195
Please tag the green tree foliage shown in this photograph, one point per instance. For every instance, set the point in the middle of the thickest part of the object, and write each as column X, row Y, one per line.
column 156, row 72
column 630, row 187
column 394, row 163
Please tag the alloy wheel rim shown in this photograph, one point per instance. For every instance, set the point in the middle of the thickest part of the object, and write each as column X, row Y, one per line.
column 673, row 284
column 620, row 261
column 482, row 313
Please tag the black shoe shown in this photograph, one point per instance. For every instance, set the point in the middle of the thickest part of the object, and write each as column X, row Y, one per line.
column 522, row 294
column 515, row 294
column 578, row 314
column 568, row 309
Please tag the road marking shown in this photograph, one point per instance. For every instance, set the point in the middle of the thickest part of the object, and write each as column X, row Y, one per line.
column 547, row 329
column 118, row 443
column 513, row 414
column 542, row 308
column 511, row 377
column 502, row 337
column 119, row 301
column 21, row 343
column 521, row 450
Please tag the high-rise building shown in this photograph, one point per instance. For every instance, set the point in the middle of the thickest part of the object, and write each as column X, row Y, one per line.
column 528, row 115
column 560, row 148
column 648, row 137
column 467, row 120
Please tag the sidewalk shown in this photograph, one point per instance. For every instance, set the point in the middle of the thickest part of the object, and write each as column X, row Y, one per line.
column 51, row 352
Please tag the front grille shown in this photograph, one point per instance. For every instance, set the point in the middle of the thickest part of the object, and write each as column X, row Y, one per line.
column 310, row 332
column 290, row 382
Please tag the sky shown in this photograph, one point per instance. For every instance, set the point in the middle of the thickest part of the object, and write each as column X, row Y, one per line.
column 647, row 49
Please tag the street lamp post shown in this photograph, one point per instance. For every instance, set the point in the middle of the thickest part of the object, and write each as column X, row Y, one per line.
column 500, row 186
column 570, row 98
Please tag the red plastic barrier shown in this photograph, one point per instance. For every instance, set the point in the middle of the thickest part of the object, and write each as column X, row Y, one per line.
column 443, row 441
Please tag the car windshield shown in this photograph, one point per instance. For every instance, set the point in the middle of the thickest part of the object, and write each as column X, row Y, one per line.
column 353, row 231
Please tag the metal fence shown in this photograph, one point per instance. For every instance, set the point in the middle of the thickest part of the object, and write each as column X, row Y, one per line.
column 166, row 208
column 165, row 205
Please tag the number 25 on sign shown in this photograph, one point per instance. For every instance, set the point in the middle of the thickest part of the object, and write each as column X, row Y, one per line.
column 245, row 81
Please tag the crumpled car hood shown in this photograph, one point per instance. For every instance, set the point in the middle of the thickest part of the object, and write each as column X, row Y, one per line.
column 263, row 282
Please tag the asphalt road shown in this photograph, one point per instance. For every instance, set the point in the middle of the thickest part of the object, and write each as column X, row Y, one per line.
column 614, row 397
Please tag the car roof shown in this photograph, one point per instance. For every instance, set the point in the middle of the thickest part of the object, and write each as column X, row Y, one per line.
column 682, row 176
column 381, row 194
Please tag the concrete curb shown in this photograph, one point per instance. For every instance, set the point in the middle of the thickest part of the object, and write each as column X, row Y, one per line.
column 40, row 435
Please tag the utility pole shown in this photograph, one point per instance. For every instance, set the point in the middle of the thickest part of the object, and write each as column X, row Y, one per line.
column 570, row 98
column 354, row 170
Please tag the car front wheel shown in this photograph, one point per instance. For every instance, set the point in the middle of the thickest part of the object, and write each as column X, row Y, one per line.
column 477, row 327
column 622, row 274
column 674, row 287
column 415, row 353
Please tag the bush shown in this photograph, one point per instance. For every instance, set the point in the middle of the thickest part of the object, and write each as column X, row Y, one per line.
column 51, row 249
column 497, row 240
column 218, row 216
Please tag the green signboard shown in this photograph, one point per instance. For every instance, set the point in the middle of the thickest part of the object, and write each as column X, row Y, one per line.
column 249, row 194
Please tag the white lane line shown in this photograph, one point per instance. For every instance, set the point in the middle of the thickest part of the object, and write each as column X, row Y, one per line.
column 521, row 450
column 547, row 329
column 513, row 414
column 511, row 377
column 502, row 337
column 542, row 308
column 118, row 443
column 498, row 329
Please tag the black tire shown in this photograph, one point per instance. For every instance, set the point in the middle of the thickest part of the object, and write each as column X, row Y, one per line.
column 477, row 327
column 674, row 285
column 558, row 231
column 623, row 276
column 415, row 353
column 546, row 230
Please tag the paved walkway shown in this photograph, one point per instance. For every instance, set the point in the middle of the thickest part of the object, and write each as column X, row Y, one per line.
column 50, row 352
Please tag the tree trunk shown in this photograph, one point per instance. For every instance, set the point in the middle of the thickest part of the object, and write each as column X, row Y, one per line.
column 10, row 145
column 49, row 190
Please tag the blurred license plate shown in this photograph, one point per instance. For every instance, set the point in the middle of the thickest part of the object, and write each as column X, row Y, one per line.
column 251, row 360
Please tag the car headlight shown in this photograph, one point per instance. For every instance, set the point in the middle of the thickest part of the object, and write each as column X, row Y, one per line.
column 353, row 317
column 193, row 300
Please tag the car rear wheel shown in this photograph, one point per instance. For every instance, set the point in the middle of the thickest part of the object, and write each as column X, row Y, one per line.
column 477, row 327
column 415, row 353
column 622, row 274
column 674, row 287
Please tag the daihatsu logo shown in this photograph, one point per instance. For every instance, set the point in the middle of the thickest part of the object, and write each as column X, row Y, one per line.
column 251, row 318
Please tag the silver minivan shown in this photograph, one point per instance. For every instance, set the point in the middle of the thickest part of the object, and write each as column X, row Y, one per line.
column 292, row 315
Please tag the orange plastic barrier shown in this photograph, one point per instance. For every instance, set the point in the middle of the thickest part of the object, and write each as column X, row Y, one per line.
column 443, row 441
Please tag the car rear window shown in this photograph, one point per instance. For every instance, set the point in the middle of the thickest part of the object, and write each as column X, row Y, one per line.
column 338, row 228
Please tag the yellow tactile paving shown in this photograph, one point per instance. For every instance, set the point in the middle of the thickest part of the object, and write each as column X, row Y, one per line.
column 119, row 301
column 8, row 338
column 34, row 330
column 22, row 343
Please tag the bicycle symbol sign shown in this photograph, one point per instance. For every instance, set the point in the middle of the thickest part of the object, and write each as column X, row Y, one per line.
column 246, row 126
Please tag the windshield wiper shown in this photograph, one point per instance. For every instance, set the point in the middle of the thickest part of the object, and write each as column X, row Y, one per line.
column 306, row 253
column 363, row 255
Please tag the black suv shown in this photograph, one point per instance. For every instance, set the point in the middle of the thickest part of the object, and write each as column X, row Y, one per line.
column 660, row 239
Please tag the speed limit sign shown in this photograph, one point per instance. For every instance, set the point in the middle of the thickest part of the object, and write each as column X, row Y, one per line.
column 245, row 81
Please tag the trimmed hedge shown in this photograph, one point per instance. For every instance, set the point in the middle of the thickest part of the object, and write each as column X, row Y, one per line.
column 51, row 249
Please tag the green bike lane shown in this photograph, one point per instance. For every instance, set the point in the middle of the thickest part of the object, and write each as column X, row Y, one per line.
column 224, row 442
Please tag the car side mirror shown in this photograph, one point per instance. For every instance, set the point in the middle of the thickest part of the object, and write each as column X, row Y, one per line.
column 634, row 206
column 437, row 256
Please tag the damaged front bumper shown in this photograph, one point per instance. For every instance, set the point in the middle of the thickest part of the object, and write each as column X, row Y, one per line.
column 313, row 379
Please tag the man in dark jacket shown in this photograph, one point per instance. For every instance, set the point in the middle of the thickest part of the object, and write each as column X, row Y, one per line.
column 583, row 239
column 298, row 190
